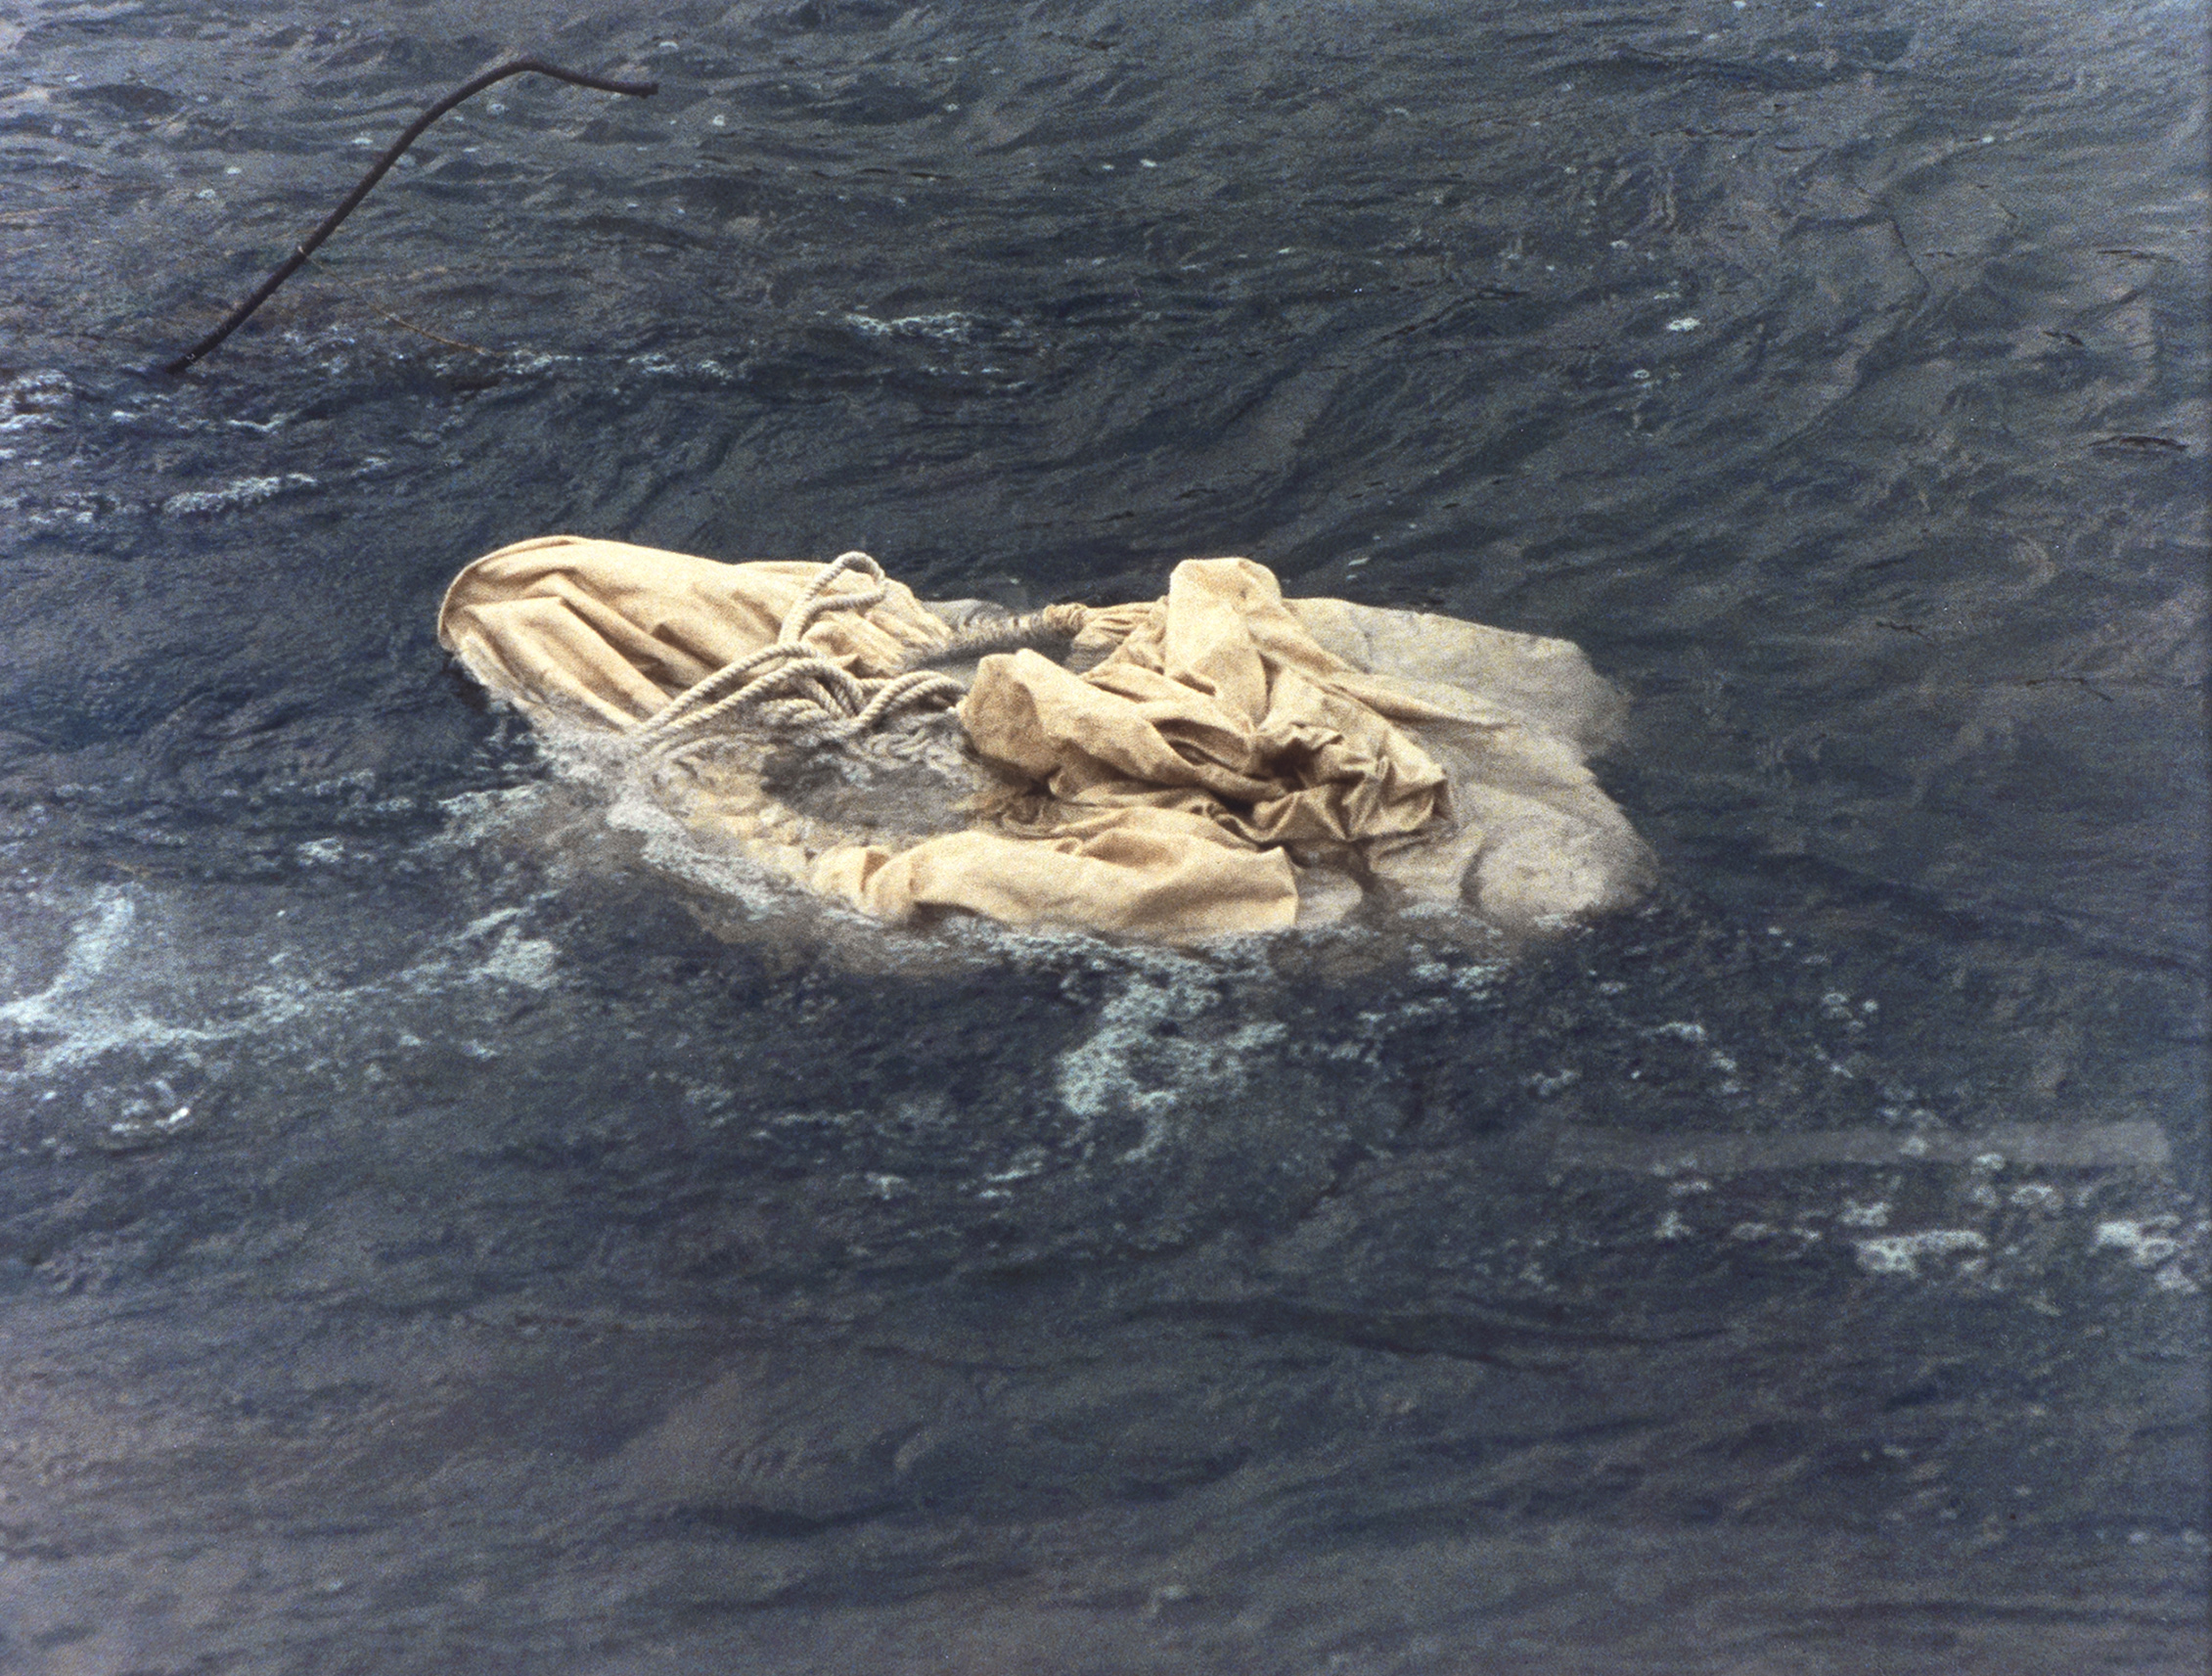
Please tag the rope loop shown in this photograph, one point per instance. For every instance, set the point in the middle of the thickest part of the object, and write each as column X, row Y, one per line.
column 794, row 688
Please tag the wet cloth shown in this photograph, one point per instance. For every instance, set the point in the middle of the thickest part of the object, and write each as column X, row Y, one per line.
column 1220, row 760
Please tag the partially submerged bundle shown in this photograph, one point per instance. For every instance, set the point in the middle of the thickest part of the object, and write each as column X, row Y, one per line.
column 1220, row 760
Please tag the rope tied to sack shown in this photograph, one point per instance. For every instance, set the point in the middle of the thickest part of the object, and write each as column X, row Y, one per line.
column 794, row 688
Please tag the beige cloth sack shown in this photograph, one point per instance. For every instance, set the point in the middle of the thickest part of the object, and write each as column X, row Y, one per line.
column 1222, row 760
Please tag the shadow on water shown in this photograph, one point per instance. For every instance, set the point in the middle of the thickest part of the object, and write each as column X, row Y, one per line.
column 438, row 1228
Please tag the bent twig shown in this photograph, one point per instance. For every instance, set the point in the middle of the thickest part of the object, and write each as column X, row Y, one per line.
column 308, row 246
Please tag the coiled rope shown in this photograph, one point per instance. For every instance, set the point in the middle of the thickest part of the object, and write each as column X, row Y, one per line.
column 792, row 686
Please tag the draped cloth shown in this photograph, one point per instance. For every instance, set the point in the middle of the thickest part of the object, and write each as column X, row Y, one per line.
column 1220, row 760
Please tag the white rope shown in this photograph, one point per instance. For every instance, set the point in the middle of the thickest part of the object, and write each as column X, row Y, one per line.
column 793, row 687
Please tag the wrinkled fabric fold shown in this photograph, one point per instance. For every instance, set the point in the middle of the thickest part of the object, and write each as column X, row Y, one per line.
column 1149, row 872
column 1217, row 703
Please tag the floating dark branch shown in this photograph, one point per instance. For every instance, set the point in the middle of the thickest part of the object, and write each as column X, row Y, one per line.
column 308, row 246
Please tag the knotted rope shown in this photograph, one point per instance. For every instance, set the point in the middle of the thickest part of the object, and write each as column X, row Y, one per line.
column 794, row 688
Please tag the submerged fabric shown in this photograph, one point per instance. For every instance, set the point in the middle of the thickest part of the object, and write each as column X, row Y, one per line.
column 1232, row 761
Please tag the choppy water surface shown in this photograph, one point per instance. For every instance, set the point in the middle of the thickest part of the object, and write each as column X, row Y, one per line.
column 439, row 1232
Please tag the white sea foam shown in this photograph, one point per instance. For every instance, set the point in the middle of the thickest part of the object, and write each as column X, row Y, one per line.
column 97, row 1003
column 2147, row 1242
column 947, row 328
column 1142, row 1060
column 532, row 962
column 1902, row 1253
column 244, row 491
column 136, row 978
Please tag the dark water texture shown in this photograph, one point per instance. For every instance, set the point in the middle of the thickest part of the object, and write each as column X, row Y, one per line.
column 425, row 1246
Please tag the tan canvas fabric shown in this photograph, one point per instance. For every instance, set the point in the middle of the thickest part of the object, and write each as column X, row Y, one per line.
column 608, row 631
column 1227, row 756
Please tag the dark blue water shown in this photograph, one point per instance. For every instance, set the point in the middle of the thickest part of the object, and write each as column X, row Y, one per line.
column 445, row 1225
